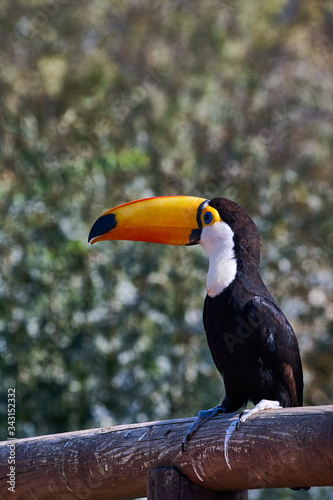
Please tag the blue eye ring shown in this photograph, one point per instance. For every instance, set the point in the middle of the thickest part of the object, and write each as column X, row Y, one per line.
column 208, row 217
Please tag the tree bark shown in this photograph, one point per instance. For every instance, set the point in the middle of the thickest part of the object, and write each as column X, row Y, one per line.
column 291, row 447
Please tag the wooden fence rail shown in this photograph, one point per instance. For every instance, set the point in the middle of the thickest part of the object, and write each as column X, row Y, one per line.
column 291, row 447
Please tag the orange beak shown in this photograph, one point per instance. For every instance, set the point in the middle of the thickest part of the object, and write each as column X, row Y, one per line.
column 171, row 220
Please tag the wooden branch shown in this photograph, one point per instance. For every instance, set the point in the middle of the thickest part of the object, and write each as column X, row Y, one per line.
column 290, row 447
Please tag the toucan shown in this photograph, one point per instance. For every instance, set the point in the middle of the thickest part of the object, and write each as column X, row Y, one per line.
column 252, row 343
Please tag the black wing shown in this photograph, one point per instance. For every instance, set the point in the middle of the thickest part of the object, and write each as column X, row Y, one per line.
column 277, row 340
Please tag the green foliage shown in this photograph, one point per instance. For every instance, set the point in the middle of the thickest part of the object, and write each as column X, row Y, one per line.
column 105, row 102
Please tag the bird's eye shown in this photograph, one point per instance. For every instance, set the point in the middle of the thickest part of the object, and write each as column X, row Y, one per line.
column 208, row 217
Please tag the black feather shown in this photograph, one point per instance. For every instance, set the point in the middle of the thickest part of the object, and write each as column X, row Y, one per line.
column 252, row 343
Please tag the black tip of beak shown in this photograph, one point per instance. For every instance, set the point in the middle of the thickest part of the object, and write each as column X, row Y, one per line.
column 102, row 225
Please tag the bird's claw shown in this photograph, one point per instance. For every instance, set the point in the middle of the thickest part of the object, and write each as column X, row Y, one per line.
column 264, row 404
column 242, row 418
column 202, row 417
column 184, row 441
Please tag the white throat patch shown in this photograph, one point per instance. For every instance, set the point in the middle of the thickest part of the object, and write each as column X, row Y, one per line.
column 218, row 242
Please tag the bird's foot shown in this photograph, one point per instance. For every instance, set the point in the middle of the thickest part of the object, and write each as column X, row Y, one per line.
column 202, row 417
column 264, row 404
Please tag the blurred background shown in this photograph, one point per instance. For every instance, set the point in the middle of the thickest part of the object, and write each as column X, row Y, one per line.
column 103, row 102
